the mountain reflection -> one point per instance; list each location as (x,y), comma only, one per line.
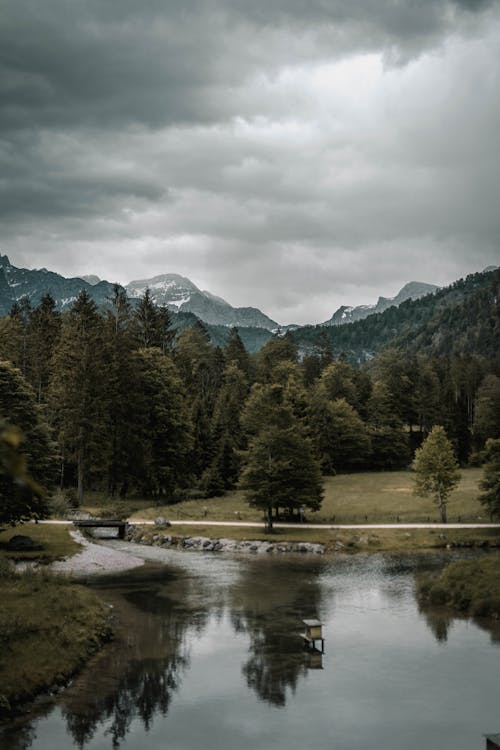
(270,610)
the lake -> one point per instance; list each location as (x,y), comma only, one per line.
(208,656)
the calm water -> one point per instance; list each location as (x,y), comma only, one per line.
(209,657)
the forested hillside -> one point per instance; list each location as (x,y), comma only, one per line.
(458,319)
(119,401)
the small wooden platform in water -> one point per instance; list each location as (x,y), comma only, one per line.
(103,523)
(313,634)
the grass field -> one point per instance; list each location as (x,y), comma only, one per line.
(383,497)
(48,629)
(55,540)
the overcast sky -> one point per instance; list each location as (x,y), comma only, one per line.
(288,154)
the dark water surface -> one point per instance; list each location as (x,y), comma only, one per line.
(208,656)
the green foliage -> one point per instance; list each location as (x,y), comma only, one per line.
(21,498)
(77,388)
(471,587)
(162,431)
(460,319)
(436,469)
(339,435)
(487,410)
(280,471)
(490,483)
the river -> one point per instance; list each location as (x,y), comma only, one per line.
(208,656)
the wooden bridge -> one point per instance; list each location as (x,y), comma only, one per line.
(103,523)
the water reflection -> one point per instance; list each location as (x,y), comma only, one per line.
(438,620)
(269,603)
(137,677)
(210,647)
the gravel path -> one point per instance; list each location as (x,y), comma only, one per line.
(95,559)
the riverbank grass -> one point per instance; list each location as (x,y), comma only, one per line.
(471,587)
(48,630)
(55,541)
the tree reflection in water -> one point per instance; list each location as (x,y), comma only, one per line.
(136,677)
(270,610)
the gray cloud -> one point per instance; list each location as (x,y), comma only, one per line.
(293,156)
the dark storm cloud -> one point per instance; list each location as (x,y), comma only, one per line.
(239,142)
(70,63)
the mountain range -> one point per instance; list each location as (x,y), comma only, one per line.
(412,290)
(176,292)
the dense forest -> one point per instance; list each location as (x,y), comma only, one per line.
(117,400)
(459,319)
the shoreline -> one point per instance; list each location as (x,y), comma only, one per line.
(95,559)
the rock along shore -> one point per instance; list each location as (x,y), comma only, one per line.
(159,538)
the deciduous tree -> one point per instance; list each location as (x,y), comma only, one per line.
(436,469)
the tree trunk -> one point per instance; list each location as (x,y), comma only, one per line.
(79,493)
(442,508)
(269,525)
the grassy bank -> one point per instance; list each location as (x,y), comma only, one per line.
(55,541)
(48,626)
(381,497)
(471,587)
(48,630)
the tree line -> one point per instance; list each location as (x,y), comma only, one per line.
(118,401)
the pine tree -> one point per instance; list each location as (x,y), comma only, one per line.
(163,437)
(339,435)
(436,469)
(490,483)
(77,391)
(226,433)
(389,442)
(120,379)
(280,470)
(487,410)
(44,333)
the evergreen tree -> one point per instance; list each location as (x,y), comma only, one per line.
(12,337)
(397,371)
(487,410)
(21,313)
(152,324)
(436,469)
(389,442)
(120,380)
(227,434)
(77,391)
(338,433)
(44,333)
(18,408)
(277,350)
(280,471)
(163,431)
(200,366)
(234,351)
(280,468)
(490,483)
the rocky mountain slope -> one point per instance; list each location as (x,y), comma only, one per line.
(412,290)
(16,283)
(181,295)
